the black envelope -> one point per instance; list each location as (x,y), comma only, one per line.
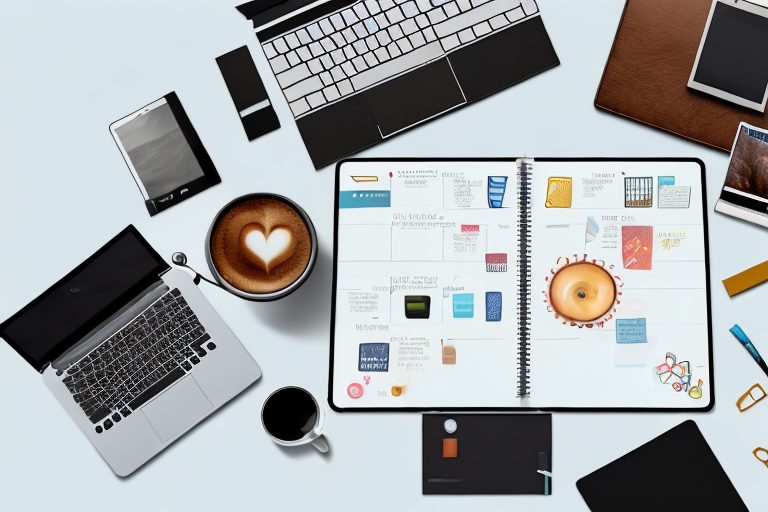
(497,454)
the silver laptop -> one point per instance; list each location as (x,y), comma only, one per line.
(132,350)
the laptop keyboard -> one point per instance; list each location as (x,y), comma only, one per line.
(136,363)
(374,40)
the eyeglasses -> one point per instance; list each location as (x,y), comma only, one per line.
(761,454)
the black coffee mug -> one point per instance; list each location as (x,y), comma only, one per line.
(292,417)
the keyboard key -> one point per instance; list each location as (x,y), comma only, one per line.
(360,30)
(337,56)
(293,58)
(292,41)
(279,64)
(450,42)
(316,49)
(466,36)
(186,364)
(482,28)
(498,22)
(514,15)
(360,47)
(360,10)
(386,4)
(451,9)
(381,54)
(477,3)
(422,20)
(338,22)
(280,45)
(349,35)
(345,87)
(316,99)
(436,16)
(269,50)
(381,20)
(303,36)
(303,88)
(211,346)
(326,78)
(464,5)
(348,68)
(195,360)
(328,44)
(473,17)
(405,45)
(394,66)
(372,42)
(370,59)
(409,27)
(424,5)
(394,50)
(304,53)
(107,424)
(315,66)
(99,429)
(383,37)
(327,61)
(395,15)
(349,52)
(315,32)
(372,6)
(530,7)
(371,26)
(350,18)
(395,32)
(359,64)
(417,39)
(125,412)
(429,34)
(438,3)
(325,26)
(201,352)
(331,93)
(338,39)
(116,418)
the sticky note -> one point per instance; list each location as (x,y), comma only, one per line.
(463,305)
(631,330)
(559,192)
(492,306)
(373,357)
(665,181)
(743,281)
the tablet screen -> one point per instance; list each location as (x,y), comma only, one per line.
(733,58)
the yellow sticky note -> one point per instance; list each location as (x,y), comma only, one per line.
(743,281)
(559,192)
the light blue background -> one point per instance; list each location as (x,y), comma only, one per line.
(71,68)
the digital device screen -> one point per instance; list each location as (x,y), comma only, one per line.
(83,299)
(158,151)
(733,58)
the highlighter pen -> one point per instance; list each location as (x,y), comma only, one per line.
(744,340)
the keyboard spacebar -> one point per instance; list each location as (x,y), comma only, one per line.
(155,389)
(392,67)
(474,16)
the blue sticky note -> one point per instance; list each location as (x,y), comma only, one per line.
(463,305)
(631,330)
(492,306)
(497,185)
(365,199)
(374,357)
(666,180)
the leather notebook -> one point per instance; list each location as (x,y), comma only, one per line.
(647,74)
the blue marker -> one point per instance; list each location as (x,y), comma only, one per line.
(744,340)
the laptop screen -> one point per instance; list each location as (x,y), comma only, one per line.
(83,299)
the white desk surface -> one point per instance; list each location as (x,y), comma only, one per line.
(71,68)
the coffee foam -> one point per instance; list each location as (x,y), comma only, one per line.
(232,260)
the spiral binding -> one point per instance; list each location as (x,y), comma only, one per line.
(524,166)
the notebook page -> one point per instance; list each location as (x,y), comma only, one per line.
(637,227)
(426,285)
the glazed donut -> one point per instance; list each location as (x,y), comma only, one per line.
(582,292)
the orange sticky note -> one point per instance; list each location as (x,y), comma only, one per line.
(743,281)
(450,448)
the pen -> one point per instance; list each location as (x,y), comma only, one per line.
(744,340)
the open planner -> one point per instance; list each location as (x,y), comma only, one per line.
(521,284)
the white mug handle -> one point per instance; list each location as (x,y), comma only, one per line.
(321,444)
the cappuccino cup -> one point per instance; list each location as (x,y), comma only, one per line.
(261,247)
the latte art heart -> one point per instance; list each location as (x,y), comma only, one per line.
(267,251)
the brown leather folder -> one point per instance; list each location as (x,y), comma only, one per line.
(647,73)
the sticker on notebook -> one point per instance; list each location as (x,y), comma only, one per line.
(675,196)
(638,192)
(398,390)
(492,306)
(666,181)
(592,230)
(631,330)
(448,352)
(582,292)
(365,179)
(559,192)
(417,306)
(373,357)
(355,390)
(676,374)
(496,262)
(497,186)
(637,247)
(463,305)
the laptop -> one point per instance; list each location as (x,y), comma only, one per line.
(357,72)
(132,350)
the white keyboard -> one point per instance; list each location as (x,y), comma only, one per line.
(374,40)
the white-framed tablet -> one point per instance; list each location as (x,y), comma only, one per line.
(730,63)
(164,153)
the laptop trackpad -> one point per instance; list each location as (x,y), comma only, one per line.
(177,409)
(415,97)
